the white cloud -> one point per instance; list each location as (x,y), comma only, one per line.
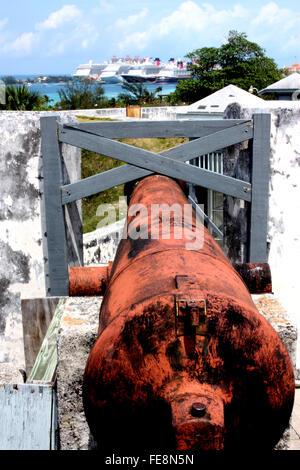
(138,40)
(184,22)
(3,34)
(66,14)
(68,28)
(59,32)
(271,17)
(277,28)
(292,43)
(104,7)
(22,45)
(82,34)
(131,20)
(3,22)
(191,17)
(188,25)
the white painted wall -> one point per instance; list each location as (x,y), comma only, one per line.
(284,203)
(155,113)
(22,267)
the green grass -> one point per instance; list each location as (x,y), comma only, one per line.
(93,163)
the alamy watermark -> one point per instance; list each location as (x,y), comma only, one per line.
(159,221)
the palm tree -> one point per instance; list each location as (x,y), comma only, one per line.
(81,95)
(19,98)
(137,93)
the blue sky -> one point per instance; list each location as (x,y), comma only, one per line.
(54,37)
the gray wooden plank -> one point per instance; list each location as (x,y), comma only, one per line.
(125,130)
(74,234)
(54,215)
(260,174)
(71,170)
(102,181)
(26,417)
(36,318)
(157,163)
(161,163)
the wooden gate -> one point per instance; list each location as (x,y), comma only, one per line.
(134,111)
(205,137)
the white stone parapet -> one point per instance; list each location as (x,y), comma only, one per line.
(284,201)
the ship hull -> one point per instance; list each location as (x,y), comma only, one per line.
(111,79)
(138,79)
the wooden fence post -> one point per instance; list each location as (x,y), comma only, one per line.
(260,171)
(54,214)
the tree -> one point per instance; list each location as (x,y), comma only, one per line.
(238,62)
(81,95)
(20,98)
(137,93)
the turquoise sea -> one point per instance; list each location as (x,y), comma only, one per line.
(111,90)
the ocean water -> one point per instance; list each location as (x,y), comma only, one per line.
(111,90)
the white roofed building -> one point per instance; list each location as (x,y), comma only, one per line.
(286,89)
(214,105)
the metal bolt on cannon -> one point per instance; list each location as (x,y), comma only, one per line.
(183,359)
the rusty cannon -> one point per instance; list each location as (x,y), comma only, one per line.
(183,359)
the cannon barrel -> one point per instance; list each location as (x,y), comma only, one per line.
(183,359)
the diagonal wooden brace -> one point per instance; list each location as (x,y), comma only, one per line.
(143,163)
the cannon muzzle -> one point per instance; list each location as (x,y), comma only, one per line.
(183,359)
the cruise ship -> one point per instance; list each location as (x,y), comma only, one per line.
(173,72)
(147,72)
(89,71)
(112,73)
(159,73)
(107,72)
(137,70)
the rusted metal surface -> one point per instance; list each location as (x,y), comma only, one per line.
(88,280)
(190,311)
(257,277)
(142,379)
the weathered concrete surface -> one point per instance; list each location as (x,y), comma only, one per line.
(76,337)
(23,258)
(9,374)
(270,308)
(284,201)
(99,246)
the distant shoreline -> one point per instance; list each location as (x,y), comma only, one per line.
(24,79)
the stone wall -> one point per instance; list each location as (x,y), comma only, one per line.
(100,246)
(156,113)
(284,201)
(22,268)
